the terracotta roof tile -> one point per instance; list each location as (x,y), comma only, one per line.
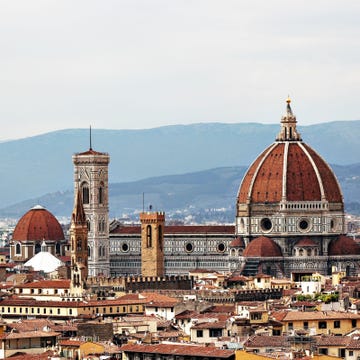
(179,350)
(304,242)
(343,245)
(237,242)
(264,180)
(262,247)
(180,229)
(257,341)
(45,284)
(319,315)
(38,224)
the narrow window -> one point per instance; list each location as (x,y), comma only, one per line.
(148,236)
(101,194)
(18,249)
(85,193)
(160,236)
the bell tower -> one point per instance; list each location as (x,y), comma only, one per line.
(79,248)
(152,243)
(91,179)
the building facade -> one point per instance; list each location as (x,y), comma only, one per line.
(185,248)
(289,222)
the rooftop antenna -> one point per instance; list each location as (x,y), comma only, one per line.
(143,202)
(90,139)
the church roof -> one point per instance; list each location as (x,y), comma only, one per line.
(289,170)
(343,245)
(44,261)
(38,224)
(237,242)
(262,247)
(180,229)
(305,242)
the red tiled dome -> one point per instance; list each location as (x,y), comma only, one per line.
(262,247)
(38,224)
(289,171)
(306,242)
(343,245)
(237,242)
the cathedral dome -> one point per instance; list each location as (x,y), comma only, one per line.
(38,224)
(262,247)
(343,245)
(289,189)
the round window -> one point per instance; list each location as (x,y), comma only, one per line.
(125,247)
(221,247)
(304,224)
(266,224)
(189,247)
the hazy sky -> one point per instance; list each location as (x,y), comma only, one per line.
(146,63)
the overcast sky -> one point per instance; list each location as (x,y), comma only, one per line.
(147,63)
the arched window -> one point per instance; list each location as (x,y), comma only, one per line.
(85,193)
(100,251)
(88,224)
(89,252)
(37,248)
(58,248)
(148,236)
(301,252)
(78,244)
(18,249)
(101,193)
(308,252)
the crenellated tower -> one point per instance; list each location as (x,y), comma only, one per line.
(91,179)
(152,243)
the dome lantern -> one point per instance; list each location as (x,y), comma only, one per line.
(288,131)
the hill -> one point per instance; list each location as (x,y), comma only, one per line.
(200,196)
(42,164)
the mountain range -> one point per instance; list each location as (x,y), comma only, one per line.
(142,159)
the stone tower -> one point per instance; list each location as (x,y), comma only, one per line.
(152,243)
(91,178)
(79,248)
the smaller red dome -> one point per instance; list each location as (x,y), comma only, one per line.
(38,224)
(262,247)
(237,242)
(343,245)
(305,242)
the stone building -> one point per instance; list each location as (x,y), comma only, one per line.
(91,178)
(289,222)
(290,212)
(37,230)
(185,248)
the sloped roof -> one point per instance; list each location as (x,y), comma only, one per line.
(44,261)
